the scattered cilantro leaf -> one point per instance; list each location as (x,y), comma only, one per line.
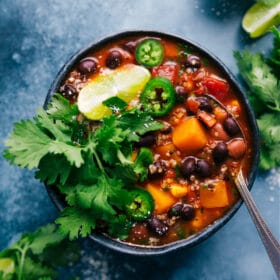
(44,237)
(53,168)
(29,255)
(75,221)
(92,169)
(26,145)
(270,127)
(115,104)
(261,76)
(120,227)
(60,109)
(274,60)
(268,2)
(31,140)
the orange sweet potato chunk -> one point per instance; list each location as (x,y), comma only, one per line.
(178,190)
(216,196)
(163,200)
(189,136)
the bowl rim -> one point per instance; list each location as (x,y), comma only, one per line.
(193,240)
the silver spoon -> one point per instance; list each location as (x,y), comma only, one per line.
(270,243)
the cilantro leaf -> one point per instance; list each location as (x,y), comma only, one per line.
(259,78)
(34,270)
(115,104)
(274,60)
(109,138)
(270,156)
(44,237)
(268,2)
(120,227)
(76,222)
(30,255)
(26,145)
(60,108)
(270,128)
(86,174)
(31,140)
(97,197)
(53,168)
(262,79)
(138,123)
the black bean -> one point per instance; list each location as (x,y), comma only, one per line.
(114,59)
(130,46)
(146,140)
(69,91)
(204,104)
(188,166)
(157,226)
(231,126)
(187,212)
(203,168)
(220,152)
(193,61)
(181,93)
(175,210)
(87,65)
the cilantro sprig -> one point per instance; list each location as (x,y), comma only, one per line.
(37,255)
(262,78)
(92,167)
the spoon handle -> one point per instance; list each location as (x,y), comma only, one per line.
(270,243)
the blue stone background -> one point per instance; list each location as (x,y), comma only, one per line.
(36,38)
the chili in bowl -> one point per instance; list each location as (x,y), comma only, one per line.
(169,151)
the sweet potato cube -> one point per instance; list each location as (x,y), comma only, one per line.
(214,196)
(178,190)
(189,136)
(163,200)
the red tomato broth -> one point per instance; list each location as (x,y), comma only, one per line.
(194,84)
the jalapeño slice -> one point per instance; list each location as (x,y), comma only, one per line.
(149,53)
(141,205)
(158,97)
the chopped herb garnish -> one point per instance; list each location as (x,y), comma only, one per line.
(91,174)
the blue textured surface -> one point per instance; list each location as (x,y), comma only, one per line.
(36,38)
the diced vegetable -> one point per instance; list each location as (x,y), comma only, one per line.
(168,70)
(178,190)
(208,119)
(189,136)
(217,87)
(220,114)
(163,200)
(192,104)
(215,195)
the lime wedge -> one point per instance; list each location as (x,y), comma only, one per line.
(125,82)
(7,265)
(259,18)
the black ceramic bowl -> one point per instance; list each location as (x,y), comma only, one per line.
(209,230)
